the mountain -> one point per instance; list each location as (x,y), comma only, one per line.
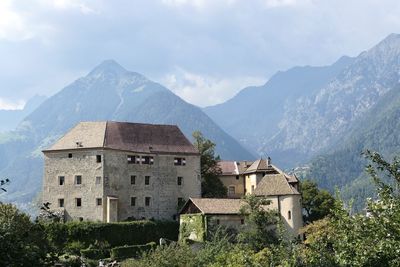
(256,115)
(109,92)
(11,118)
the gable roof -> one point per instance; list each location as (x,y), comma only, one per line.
(274,185)
(215,205)
(135,137)
(233,167)
(261,165)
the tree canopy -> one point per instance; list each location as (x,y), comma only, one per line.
(211,185)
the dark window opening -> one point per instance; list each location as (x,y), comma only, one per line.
(147,160)
(61,180)
(78,202)
(179,161)
(98,158)
(242,221)
(78,179)
(217,221)
(98,179)
(99,201)
(147,180)
(179,181)
(61,203)
(133,179)
(70,155)
(174,217)
(133,201)
(180,200)
(289,215)
(133,159)
(237,177)
(147,201)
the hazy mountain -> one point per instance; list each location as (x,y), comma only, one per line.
(257,115)
(11,118)
(109,92)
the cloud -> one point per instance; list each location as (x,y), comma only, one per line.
(13,26)
(6,104)
(80,5)
(204,90)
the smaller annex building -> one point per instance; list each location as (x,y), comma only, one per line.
(260,178)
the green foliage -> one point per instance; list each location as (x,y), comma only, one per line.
(124,252)
(211,186)
(260,223)
(95,253)
(22,242)
(192,223)
(173,255)
(317,203)
(116,234)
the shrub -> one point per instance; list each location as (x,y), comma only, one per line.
(134,251)
(95,254)
(114,234)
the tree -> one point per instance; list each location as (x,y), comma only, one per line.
(261,223)
(211,185)
(317,203)
(22,242)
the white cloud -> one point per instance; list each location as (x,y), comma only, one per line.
(6,104)
(80,5)
(13,26)
(285,3)
(205,90)
(199,4)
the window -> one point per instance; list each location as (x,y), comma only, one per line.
(133,201)
(147,160)
(179,181)
(78,179)
(237,177)
(70,155)
(180,200)
(61,202)
(252,188)
(133,159)
(289,215)
(98,158)
(218,221)
(61,180)
(231,190)
(179,161)
(242,221)
(147,180)
(147,201)
(133,179)
(78,202)
(98,179)
(99,201)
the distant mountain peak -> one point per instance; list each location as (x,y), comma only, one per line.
(108,66)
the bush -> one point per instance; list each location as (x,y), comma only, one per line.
(95,254)
(115,234)
(134,251)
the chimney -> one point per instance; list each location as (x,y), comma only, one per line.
(269,161)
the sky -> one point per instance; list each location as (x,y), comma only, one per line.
(205,51)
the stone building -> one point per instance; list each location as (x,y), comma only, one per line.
(112,171)
(260,178)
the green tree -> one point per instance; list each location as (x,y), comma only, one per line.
(211,185)
(22,242)
(317,203)
(260,229)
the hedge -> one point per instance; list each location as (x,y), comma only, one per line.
(95,254)
(116,234)
(124,252)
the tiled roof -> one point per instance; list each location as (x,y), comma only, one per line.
(218,205)
(260,165)
(274,185)
(135,137)
(228,167)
